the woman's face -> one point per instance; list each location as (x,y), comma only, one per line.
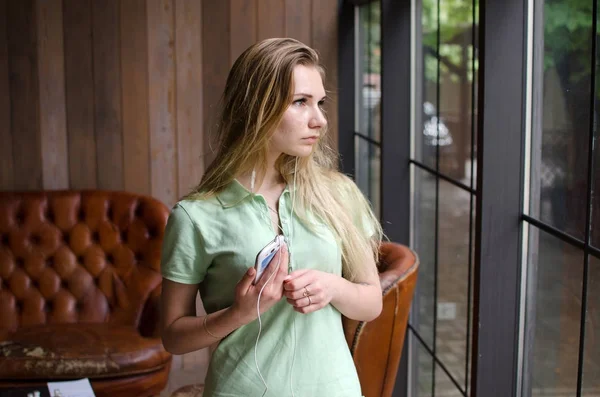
(303,120)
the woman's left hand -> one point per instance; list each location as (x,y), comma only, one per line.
(309,290)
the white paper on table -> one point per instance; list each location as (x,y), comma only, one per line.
(74,388)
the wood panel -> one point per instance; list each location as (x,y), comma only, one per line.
(298,16)
(6,151)
(216,45)
(123,94)
(24,93)
(161,74)
(188,17)
(325,41)
(134,93)
(107,93)
(77,19)
(243,26)
(53,116)
(271,19)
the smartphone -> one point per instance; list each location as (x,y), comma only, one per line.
(266,254)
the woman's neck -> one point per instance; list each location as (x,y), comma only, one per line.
(272,180)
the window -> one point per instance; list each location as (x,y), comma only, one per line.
(368,123)
(504,169)
(444,167)
(562,317)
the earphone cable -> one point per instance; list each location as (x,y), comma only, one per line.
(260,325)
(294,313)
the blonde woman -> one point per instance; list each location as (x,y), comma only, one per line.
(273,174)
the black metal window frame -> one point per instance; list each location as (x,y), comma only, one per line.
(536,225)
(502,118)
(500,157)
(395,125)
(396,187)
(440,175)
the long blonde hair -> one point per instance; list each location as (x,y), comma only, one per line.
(258,91)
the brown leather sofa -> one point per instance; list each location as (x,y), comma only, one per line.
(377,345)
(80,287)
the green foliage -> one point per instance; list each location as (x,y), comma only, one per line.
(454,29)
(370,16)
(455,16)
(568,34)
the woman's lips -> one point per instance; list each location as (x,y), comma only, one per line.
(311,139)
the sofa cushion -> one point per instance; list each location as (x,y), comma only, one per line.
(66,351)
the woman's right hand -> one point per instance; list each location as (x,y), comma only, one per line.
(246,293)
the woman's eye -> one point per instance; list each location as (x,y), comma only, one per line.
(321,103)
(300,101)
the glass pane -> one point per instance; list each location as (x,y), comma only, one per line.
(424,244)
(422,369)
(368,172)
(425,141)
(555,282)
(453,278)
(560,144)
(456,89)
(591,363)
(444,387)
(370,66)
(595,235)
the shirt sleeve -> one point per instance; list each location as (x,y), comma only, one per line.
(183,257)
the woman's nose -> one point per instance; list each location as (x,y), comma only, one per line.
(318,119)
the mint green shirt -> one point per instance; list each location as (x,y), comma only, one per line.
(212,243)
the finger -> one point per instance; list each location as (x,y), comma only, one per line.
(297,294)
(302,302)
(308,309)
(300,282)
(246,281)
(283,266)
(298,273)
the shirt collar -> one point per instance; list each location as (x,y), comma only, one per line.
(234,193)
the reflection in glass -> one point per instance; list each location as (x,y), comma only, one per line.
(555,282)
(422,372)
(453,278)
(591,358)
(368,172)
(595,231)
(444,387)
(368,163)
(425,142)
(560,146)
(447,88)
(424,244)
(370,71)
(595,234)
(455,85)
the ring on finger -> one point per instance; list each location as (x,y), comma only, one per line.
(306,293)
(309,300)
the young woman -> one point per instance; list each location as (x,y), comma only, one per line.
(273,174)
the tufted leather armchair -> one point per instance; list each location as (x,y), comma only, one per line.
(376,346)
(79,290)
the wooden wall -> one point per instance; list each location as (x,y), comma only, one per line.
(120,95)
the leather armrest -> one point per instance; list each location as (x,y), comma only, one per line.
(377,345)
(149,325)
